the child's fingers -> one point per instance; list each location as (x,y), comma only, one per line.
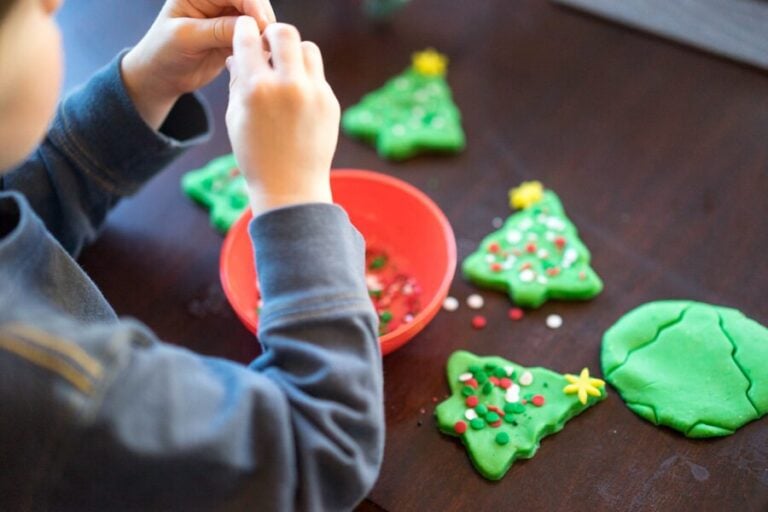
(260,10)
(247,49)
(313,60)
(210,33)
(285,45)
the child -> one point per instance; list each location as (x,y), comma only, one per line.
(95,412)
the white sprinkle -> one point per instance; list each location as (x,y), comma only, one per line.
(527,275)
(542,253)
(550,236)
(464,377)
(497,222)
(526,379)
(451,303)
(542,218)
(490,258)
(512,394)
(373,283)
(514,236)
(542,280)
(533,236)
(438,123)
(470,414)
(475,301)
(402,84)
(408,318)
(510,370)
(554,321)
(526,223)
(555,223)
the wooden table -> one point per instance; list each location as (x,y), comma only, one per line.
(660,155)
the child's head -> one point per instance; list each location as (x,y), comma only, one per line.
(30,75)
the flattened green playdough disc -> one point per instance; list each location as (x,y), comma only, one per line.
(698,368)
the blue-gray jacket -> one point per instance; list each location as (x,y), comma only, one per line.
(97,414)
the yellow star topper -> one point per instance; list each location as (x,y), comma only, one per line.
(528,193)
(583,385)
(430,63)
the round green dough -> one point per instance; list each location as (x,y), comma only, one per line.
(694,367)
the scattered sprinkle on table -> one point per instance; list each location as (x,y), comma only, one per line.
(475,301)
(497,222)
(554,321)
(479,321)
(450,303)
(515,314)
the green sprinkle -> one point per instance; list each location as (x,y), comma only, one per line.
(467,391)
(386,316)
(378,262)
(499,372)
(514,407)
(487,387)
(477,424)
(492,417)
(376,294)
(502,438)
(546,385)
(481,409)
(475,368)
(481,377)
(510,418)
(490,367)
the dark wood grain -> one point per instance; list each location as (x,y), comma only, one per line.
(659,154)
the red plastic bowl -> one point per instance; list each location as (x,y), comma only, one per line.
(389,213)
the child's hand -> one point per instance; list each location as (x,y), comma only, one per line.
(185,49)
(283,117)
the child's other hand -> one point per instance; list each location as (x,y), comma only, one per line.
(185,49)
(283,117)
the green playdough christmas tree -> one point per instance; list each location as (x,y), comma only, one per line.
(221,188)
(412,113)
(502,410)
(536,255)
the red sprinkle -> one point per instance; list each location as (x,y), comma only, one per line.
(496,267)
(531,247)
(525,265)
(537,400)
(523,401)
(496,409)
(494,380)
(493,247)
(479,321)
(515,313)
(553,271)
(471,383)
(496,424)
(505,383)
(460,427)
(582,276)
(560,242)
(471,401)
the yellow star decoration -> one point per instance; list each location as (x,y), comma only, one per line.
(528,193)
(430,63)
(583,385)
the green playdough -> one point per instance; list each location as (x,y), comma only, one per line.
(698,368)
(502,410)
(411,113)
(535,256)
(221,188)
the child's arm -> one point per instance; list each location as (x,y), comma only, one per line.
(131,120)
(140,425)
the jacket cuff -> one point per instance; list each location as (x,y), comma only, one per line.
(98,127)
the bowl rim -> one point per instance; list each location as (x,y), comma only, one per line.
(396,338)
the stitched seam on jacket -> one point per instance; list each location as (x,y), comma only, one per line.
(50,361)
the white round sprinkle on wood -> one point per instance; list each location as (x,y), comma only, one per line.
(451,303)
(475,301)
(554,321)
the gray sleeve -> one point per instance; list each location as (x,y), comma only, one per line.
(97,150)
(301,428)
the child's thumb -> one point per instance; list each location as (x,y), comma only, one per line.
(211,33)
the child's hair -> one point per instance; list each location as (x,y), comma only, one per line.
(5,6)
